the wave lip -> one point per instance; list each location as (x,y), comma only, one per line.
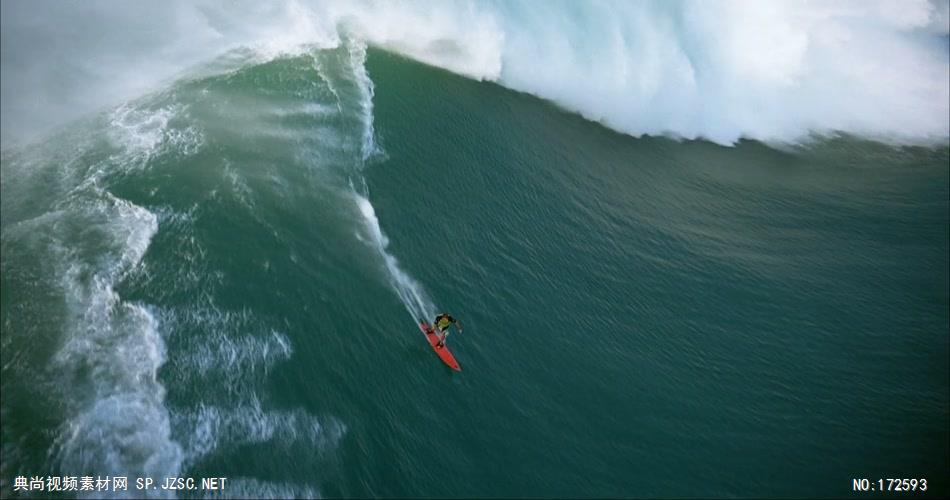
(722,71)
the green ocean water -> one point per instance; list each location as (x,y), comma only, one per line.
(223,278)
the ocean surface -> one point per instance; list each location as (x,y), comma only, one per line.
(223,277)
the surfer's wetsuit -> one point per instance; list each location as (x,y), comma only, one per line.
(443,321)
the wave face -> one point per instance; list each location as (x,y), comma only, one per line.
(217,277)
(775,71)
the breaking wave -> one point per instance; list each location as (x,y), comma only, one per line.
(774,71)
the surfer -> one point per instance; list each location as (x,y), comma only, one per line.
(442,322)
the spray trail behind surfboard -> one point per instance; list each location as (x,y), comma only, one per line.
(410,292)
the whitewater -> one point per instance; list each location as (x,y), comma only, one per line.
(774,71)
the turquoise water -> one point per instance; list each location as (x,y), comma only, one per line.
(222,278)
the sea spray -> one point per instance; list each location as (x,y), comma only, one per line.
(411,293)
(774,71)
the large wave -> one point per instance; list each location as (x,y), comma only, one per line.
(776,71)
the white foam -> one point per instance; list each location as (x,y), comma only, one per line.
(117,422)
(765,70)
(322,73)
(465,38)
(774,70)
(233,360)
(213,428)
(241,355)
(142,133)
(186,141)
(120,434)
(298,30)
(231,352)
(357,52)
(139,131)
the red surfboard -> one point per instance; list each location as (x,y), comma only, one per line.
(444,354)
